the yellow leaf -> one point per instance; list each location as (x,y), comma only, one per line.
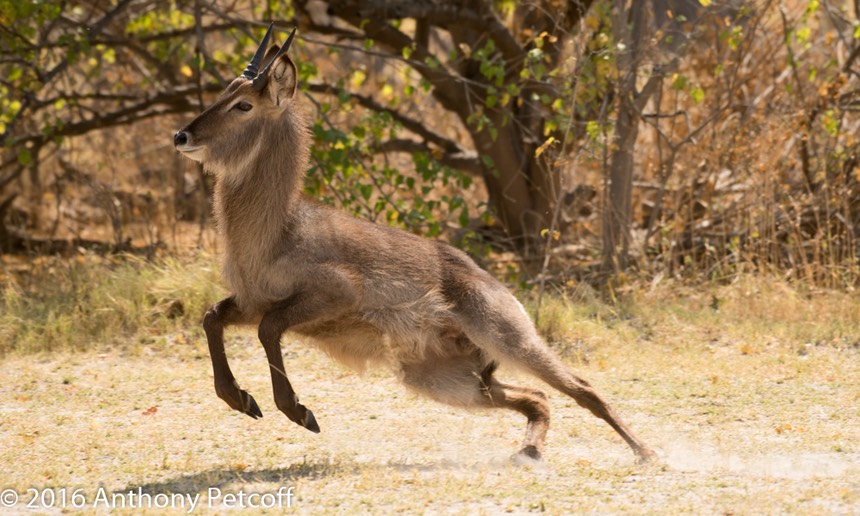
(186,70)
(544,146)
(555,234)
(358,78)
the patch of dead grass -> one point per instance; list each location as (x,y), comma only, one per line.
(774,430)
(751,402)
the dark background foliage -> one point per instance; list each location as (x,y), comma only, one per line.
(553,140)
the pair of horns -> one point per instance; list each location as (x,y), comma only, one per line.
(259,79)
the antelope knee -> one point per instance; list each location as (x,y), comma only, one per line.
(210,319)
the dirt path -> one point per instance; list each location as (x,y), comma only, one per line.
(770,431)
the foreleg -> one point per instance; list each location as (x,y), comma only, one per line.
(224,313)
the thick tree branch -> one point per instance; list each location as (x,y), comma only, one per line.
(447,88)
(445,15)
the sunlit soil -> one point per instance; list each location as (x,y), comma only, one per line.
(772,430)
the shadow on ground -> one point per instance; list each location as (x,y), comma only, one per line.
(224,478)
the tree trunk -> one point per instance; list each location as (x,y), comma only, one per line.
(629,28)
(522,189)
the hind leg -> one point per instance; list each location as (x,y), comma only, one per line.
(531,403)
(467,382)
(585,396)
(498,324)
(541,362)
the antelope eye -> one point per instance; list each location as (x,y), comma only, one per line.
(243,106)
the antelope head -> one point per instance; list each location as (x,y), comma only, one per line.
(232,132)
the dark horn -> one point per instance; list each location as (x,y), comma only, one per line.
(257,60)
(262,78)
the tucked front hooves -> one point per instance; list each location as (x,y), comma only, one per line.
(239,399)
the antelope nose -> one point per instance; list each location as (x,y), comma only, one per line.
(180,138)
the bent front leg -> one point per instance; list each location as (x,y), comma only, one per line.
(297,309)
(276,321)
(224,313)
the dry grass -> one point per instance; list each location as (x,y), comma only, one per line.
(56,304)
(752,406)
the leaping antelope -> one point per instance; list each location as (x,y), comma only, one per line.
(362,292)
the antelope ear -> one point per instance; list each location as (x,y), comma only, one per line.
(283,79)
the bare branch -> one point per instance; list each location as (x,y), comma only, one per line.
(413,125)
(164,103)
(465,161)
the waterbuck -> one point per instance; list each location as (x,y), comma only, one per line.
(362,292)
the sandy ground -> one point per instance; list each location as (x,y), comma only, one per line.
(772,431)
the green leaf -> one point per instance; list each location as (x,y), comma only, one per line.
(592,128)
(830,123)
(464,216)
(366,191)
(24,157)
(680,81)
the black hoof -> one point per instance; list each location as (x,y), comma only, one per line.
(310,422)
(529,456)
(530,451)
(252,409)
